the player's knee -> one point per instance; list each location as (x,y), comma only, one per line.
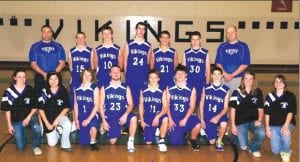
(148,143)
(165,120)
(223,124)
(133,120)
(112,141)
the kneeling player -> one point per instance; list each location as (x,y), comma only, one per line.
(152,112)
(181,99)
(214,107)
(116,99)
(86,114)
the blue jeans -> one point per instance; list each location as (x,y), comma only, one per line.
(243,138)
(280,142)
(19,133)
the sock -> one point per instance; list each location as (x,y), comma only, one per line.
(93,141)
(131,139)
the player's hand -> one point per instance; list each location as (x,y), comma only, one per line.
(182,122)
(55,123)
(85,122)
(203,125)
(285,130)
(77,124)
(215,120)
(143,124)
(257,123)
(106,126)
(234,130)
(26,121)
(155,121)
(268,133)
(49,126)
(171,125)
(10,129)
(123,119)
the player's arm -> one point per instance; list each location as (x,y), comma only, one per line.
(125,52)
(121,60)
(75,112)
(183,60)
(96,106)
(166,103)
(10,128)
(149,56)
(176,61)
(129,101)
(45,119)
(225,107)
(267,123)
(191,106)
(232,120)
(152,60)
(101,108)
(201,109)
(70,61)
(141,109)
(165,108)
(207,68)
(93,60)
(29,116)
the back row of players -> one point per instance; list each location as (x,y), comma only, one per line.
(135,58)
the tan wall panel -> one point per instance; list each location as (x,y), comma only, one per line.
(267,46)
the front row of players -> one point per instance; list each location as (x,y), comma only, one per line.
(170,108)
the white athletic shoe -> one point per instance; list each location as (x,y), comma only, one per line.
(256,153)
(130,146)
(37,151)
(285,156)
(162,147)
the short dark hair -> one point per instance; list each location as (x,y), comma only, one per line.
(180,67)
(153,71)
(195,33)
(216,69)
(80,32)
(140,23)
(47,26)
(164,32)
(58,76)
(106,27)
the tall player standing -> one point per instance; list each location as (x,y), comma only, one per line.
(164,59)
(108,54)
(196,60)
(80,57)
(136,60)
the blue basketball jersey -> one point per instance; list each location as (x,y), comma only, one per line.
(115,103)
(107,56)
(164,63)
(214,100)
(81,59)
(152,102)
(195,64)
(179,101)
(137,67)
(85,101)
